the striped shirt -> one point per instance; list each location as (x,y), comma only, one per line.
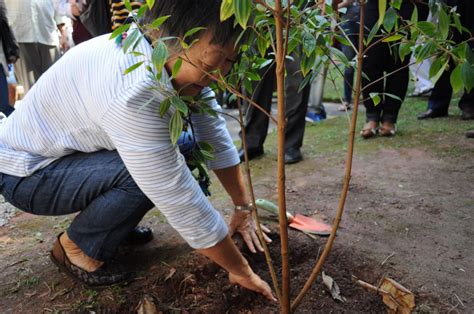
(85,103)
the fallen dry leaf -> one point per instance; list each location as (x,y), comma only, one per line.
(146,306)
(333,287)
(398,298)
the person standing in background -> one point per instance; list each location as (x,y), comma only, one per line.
(9,53)
(440,98)
(72,9)
(350,25)
(34,25)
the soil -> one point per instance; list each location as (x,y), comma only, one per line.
(408,216)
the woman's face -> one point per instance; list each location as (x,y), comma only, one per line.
(200,58)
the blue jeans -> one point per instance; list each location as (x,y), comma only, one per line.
(4,101)
(352,30)
(96,185)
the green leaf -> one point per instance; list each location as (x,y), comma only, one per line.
(390,19)
(307,63)
(242,10)
(159,21)
(467,74)
(457,22)
(179,104)
(469,54)
(339,55)
(119,30)
(128,5)
(164,106)
(262,45)
(382,10)
(372,33)
(443,24)
(456,79)
(309,43)
(404,50)
(436,76)
(176,67)
(392,38)
(159,55)
(414,16)
(427,28)
(207,155)
(175,127)
(206,147)
(142,10)
(426,51)
(133,67)
(130,40)
(436,65)
(227,9)
(150,3)
(397,4)
(192,31)
(393,96)
(375,98)
(343,40)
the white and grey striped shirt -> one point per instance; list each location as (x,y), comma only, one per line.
(85,103)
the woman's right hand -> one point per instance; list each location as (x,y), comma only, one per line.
(253,282)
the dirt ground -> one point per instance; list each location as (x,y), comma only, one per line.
(409,216)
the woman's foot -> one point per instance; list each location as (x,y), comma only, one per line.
(387,129)
(370,129)
(84,269)
(76,256)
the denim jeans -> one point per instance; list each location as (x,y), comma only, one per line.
(351,28)
(96,185)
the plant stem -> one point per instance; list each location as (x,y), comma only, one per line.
(347,177)
(252,196)
(280,78)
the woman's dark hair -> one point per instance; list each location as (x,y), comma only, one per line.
(188,14)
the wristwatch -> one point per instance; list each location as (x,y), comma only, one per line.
(248,207)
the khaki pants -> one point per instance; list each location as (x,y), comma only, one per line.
(35,59)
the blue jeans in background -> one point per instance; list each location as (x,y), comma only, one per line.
(4,101)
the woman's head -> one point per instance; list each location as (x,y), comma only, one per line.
(214,51)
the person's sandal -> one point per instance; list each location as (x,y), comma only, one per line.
(387,130)
(104,276)
(368,131)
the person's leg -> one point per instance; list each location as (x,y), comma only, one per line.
(374,70)
(296,107)
(48,56)
(256,122)
(4,99)
(25,66)
(351,29)
(97,185)
(466,104)
(395,84)
(441,95)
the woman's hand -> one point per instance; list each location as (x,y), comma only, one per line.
(253,282)
(243,222)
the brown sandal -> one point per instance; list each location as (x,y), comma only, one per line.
(387,129)
(369,130)
(104,276)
